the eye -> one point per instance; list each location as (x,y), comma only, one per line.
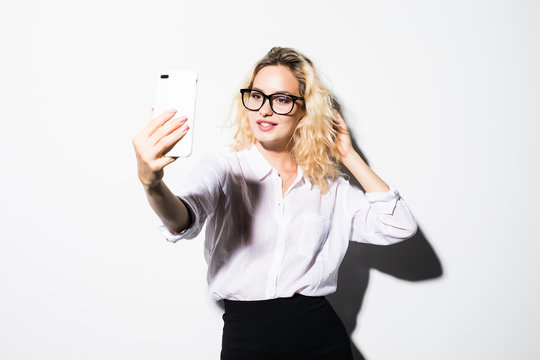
(256,95)
(283,99)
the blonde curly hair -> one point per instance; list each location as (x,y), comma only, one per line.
(314,141)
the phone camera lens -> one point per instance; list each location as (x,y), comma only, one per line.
(164,76)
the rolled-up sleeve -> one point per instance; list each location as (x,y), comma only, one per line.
(191,232)
(379,218)
(200,192)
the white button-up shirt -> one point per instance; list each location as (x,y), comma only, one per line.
(261,245)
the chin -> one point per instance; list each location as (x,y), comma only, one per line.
(272,142)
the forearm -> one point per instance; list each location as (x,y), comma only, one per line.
(370,181)
(170,209)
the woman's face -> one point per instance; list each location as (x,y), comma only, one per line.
(270,129)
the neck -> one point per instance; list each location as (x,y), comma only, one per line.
(281,159)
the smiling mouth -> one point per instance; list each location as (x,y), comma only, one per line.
(266,123)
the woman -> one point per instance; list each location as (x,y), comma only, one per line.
(278,214)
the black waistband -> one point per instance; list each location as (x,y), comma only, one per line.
(283,303)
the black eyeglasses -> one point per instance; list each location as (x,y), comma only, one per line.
(280,103)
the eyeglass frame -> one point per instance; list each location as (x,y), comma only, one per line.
(294,97)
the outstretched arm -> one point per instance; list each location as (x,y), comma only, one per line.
(170,209)
(150,144)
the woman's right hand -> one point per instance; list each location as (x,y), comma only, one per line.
(155,140)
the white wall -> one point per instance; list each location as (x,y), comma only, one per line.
(442,97)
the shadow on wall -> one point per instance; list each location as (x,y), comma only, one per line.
(413,259)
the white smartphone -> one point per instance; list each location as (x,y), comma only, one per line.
(178,89)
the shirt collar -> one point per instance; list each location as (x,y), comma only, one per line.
(262,167)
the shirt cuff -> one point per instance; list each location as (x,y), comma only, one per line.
(384,202)
(188,233)
(169,235)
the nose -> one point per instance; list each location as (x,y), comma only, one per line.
(266,110)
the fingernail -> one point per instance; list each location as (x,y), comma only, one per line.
(171,111)
(185,127)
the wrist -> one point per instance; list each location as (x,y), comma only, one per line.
(152,187)
(350,158)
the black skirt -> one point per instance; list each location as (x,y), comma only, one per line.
(299,327)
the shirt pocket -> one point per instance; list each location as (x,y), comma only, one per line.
(314,231)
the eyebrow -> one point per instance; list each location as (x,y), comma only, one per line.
(277,92)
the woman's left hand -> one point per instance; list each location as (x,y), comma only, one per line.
(344,138)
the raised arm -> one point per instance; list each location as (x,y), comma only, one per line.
(155,140)
(170,209)
(380,216)
(370,181)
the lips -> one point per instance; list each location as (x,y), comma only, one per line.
(266,123)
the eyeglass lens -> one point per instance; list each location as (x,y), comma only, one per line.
(280,103)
